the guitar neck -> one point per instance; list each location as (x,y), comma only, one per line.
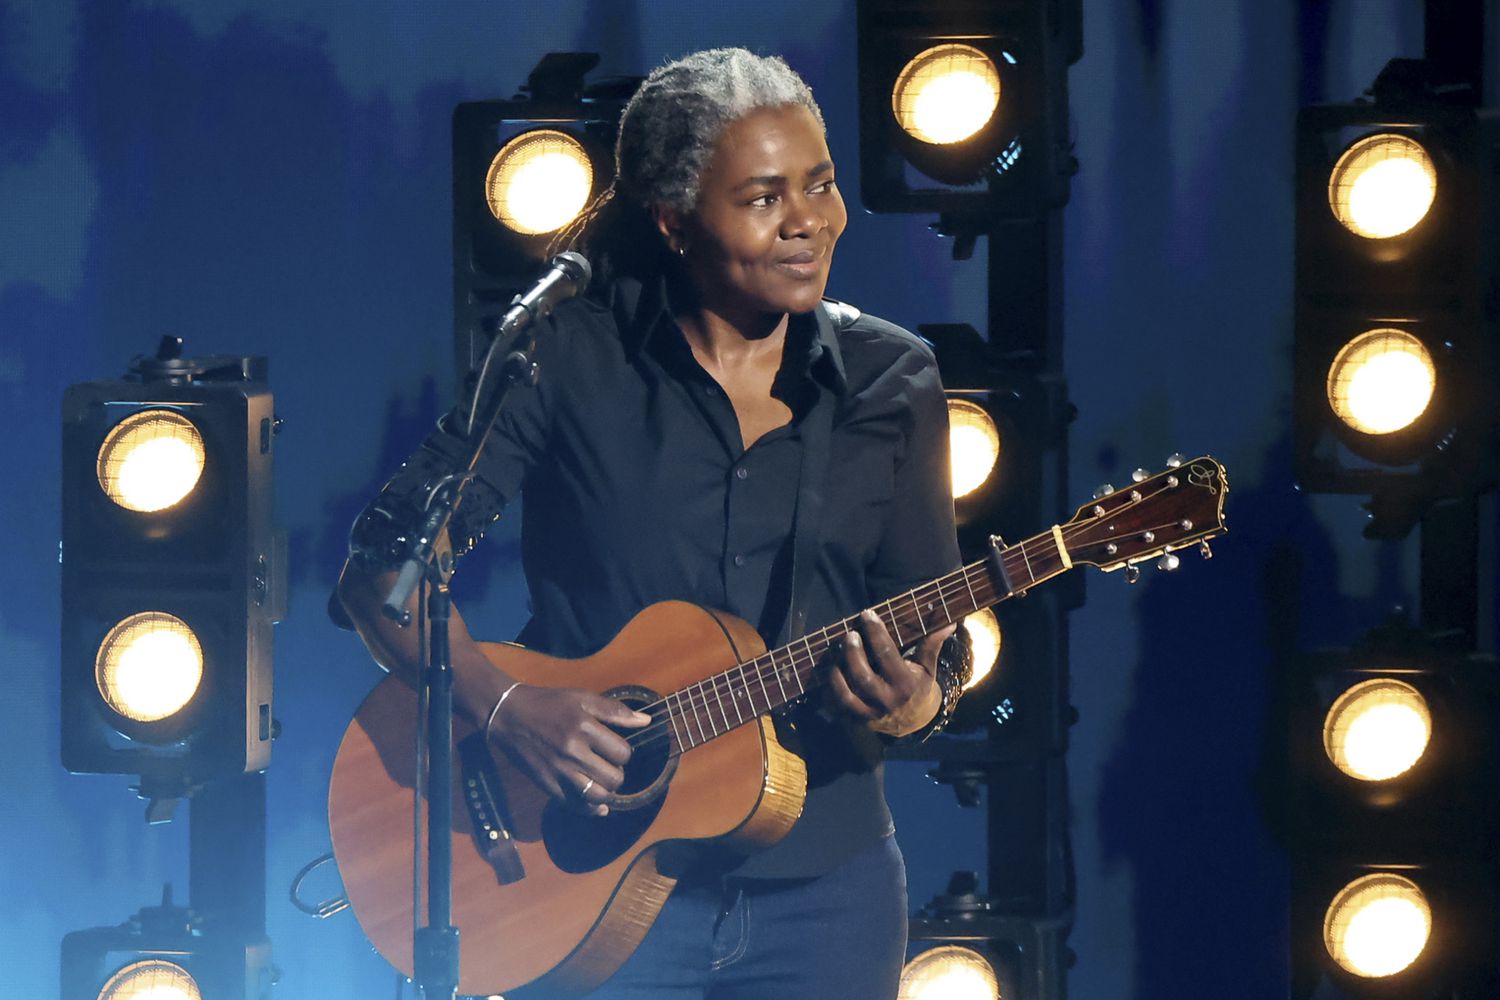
(776,678)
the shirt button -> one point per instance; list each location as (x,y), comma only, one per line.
(741,472)
(739,560)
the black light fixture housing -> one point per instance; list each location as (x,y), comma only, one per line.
(1027,955)
(1459,694)
(491,261)
(1030,409)
(211,562)
(1432,824)
(1457,960)
(1018,163)
(1429,285)
(164,951)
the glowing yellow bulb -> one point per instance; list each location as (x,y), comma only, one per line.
(153,979)
(974,443)
(1381,381)
(984,640)
(150,460)
(946,94)
(149,666)
(1377,729)
(949,972)
(1377,925)
(1382,186)
(539,181)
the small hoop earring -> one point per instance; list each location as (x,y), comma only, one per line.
(682,251)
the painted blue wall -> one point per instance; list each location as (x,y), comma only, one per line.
(273,178)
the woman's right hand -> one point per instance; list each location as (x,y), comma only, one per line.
(561,737)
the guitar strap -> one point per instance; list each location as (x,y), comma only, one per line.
(817,429)
(817,433)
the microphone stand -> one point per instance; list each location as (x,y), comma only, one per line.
(435,947)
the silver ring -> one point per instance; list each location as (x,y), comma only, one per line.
(584,791)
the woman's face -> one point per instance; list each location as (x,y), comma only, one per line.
(761,238)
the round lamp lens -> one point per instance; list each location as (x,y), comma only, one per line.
(1377,729)
(1377,925)
(153,979)
(150,460)
(946,94)
(1381,381)
(983,629)
(949,972)
(149,666)
(539,181)
(1382,186)
(974,441)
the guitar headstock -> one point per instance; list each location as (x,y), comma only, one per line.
(1154,516)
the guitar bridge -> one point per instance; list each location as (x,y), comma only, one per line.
(489,818)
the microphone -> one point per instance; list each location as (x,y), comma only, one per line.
(567,276)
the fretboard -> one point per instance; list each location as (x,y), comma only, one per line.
(712,707)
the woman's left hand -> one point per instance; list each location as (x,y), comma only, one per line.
(874,683)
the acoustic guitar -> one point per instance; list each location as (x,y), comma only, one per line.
(550,899)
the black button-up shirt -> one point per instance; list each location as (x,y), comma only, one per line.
(637,489)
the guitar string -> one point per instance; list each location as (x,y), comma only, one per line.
(698,695)
(765,668)
(702,695)
(702,698)
(752,673)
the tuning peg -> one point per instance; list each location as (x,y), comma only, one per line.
(1103,491)
(1139,476)
(1168,562)
(1204,550)
(1132,574)
(1175,460)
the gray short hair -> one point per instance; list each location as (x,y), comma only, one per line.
(669,128)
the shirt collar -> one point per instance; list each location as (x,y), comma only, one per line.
(642,311)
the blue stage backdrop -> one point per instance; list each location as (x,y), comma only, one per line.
(273,178)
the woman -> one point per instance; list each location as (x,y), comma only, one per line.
(708,429)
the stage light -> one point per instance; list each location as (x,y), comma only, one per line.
(949,972)
(1389,820)
(1382,186)
(1377,925)
(539,181)
(1377,729)
(985,642)
(165,952)
(171,572)
(523,170)
(1381,381)
(1385,733)
(149,666)
(946,94)
(151,460)
(962,946)
(1395,391)
(153,979)
(963,108)
(974,442)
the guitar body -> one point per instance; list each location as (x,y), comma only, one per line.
(587,888)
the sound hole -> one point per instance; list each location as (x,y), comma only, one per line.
(578,842)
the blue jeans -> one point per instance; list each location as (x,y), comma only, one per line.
(842,934)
